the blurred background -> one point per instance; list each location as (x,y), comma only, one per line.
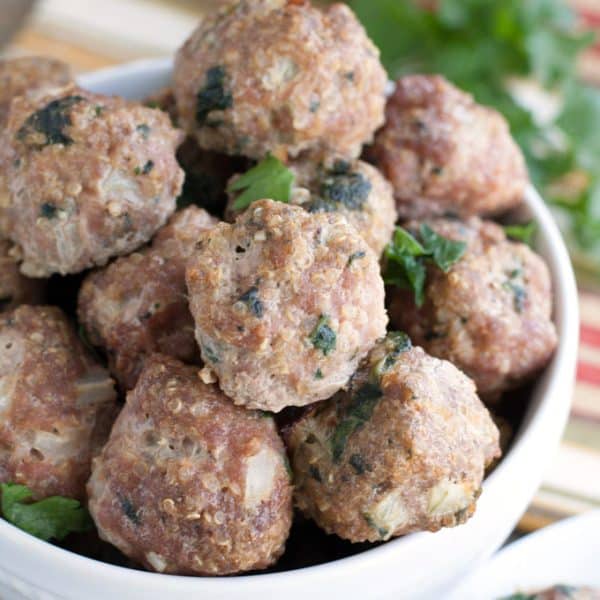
(537,61)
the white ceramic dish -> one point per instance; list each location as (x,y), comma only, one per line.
(564,553)
(422,565)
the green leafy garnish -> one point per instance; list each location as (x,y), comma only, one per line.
(396,342)
(407,258)
(521,233)
(322,336)
(356,413)
(537,40)
(50,122)
(51,518)
(212,95)
(270,179)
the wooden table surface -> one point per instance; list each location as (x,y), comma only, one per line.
(99,33)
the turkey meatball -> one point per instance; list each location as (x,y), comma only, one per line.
(490,314)
(444,153)
(138,304)
(90,177)
(403,449)
(57,403)
(16,289)
(20,77)
(286,303)
(353,189)
(280,76)
(189,483)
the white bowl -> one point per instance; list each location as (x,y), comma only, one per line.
(422,565)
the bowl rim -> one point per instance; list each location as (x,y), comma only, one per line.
(550,405)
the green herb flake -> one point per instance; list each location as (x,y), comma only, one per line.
(145,169)
(340,186)
(407,258)
(51,518)
(521,233)
(318,374)
(144,130)
(396,343)
(98,109)
(129,510)
(381,531)
(213,95)
(356,413)
(519,295)
(210,354)
(356,256)
(358,463)
(323,337)
(269,179)
(253,302)
(50,121)
(48,210)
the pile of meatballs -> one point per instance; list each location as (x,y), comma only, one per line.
(224,366)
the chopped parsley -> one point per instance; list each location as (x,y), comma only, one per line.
(270,179)
(129,510)
(519,295)
(48,210)
(318,374)
(355,256)
(144,130)
(50,518)
(521,233)
(408,258)
(355,414)
(342,186)
(212,95)
(253,302)
(50,121)
(210,354)
(323,337)
(396,343)
(145,169)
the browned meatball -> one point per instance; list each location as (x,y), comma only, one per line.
(90,177)
(490,314)
(16,289)
(189,483)
(57,403)
(280,76)
(560,592)
(19,77)
(444,153)
(353,189)
(404,449)
(138,304)
(286,303)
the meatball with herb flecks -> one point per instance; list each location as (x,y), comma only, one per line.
(490,314)
(444,153)
(90,177)
(15,288)
(353,189)
(286,303)
(403,449)
(280,76)
(57,403)
(138,304)
(24,76)
(189,483)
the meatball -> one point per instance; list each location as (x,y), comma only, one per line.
(189,483)
(138,305)
(353,189)
(490,314)
(280,76)
(286,303)
(560,592)
(444,153)
(16,289)
(403,449)
(91,177)
(57,403)
(18,77)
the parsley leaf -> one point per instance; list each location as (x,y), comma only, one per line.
(407,267)
(51,518)
(323,337)
(521,233)
(270,178)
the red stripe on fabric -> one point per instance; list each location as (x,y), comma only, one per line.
(590,335)
(588,373)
